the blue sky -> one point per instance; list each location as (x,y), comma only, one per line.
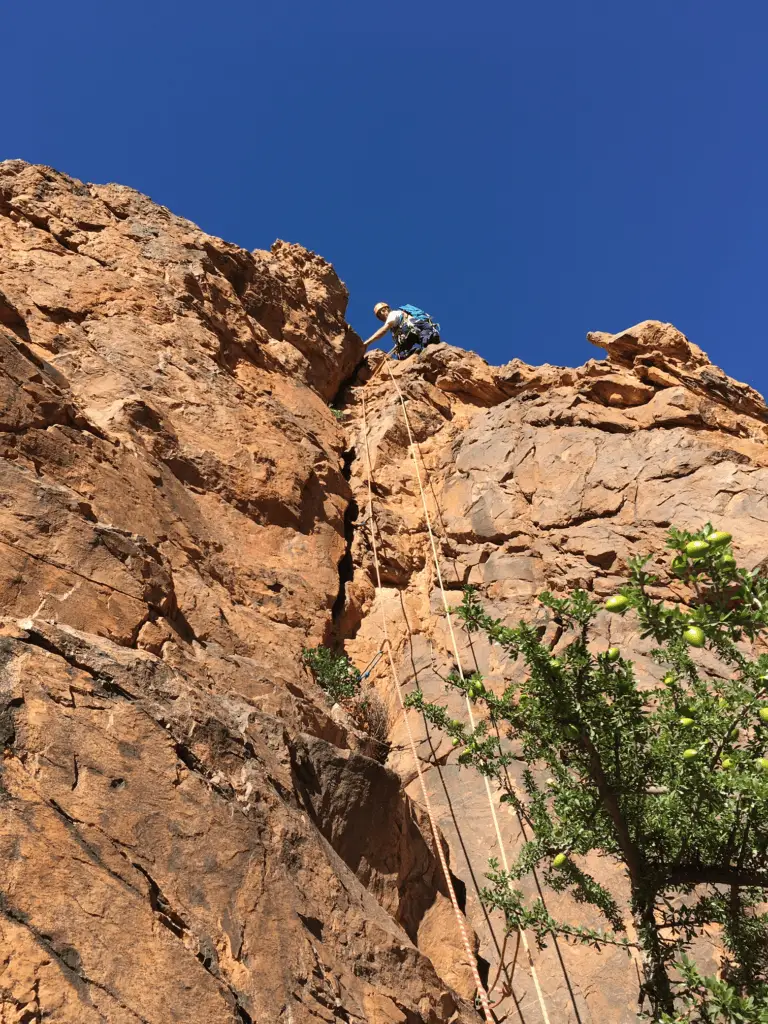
(526,173)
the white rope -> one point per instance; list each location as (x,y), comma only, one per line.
(460,920)
(447,611)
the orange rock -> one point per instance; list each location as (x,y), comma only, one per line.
(190,831)
(540,478)
(171,528)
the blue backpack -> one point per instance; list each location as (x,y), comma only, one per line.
(418,314)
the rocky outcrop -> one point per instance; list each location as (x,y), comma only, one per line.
(538,478)
(182,816)
(189,831)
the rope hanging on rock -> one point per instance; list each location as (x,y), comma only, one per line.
(446,608)
(387,645)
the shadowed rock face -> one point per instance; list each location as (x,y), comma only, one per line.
(188,832)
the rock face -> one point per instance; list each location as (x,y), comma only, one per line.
(537,478)
(188,831)
(183,823)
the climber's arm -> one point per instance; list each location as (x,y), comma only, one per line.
(378,334)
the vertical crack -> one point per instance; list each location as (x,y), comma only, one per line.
(346,566)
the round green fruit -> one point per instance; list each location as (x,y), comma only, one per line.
(555,663)
(455,741)
(689,754)
(686,722)
(617,603)
(694,636)
(728,561)
(612,654)
(718,538)
(734,734)
(697,548)
(727,762)
(669,679)
(559,860)
(763,712)
(762,763)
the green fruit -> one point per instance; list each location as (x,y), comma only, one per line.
(612,654)
(689,754)
(763,714)
(465,757)
(718,538)
(555,663)
(669,679)
(559,860)
(727,762)
(455,723)
(694,636)
(734,734)
(762,763)
(617,603)
(697,548)
(572,732)
(728,561)
(686,722)
(455,741)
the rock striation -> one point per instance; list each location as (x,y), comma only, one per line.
(188,831)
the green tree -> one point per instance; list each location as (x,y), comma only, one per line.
(670,780)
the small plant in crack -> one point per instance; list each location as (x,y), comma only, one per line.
(334,673)
(341,682)
(338,413)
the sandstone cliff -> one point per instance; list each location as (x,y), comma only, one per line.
(188,831)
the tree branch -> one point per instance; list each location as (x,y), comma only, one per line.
(715,874)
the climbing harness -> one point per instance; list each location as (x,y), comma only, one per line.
(414,332)
(460,922)
(449,623)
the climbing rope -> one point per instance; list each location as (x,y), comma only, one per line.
(384,362)
(460,921)
(449,622)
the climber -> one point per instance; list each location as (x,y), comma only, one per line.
(411,327)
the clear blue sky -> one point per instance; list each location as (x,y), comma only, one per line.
(525,172)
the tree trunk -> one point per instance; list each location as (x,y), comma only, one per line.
(656,986)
